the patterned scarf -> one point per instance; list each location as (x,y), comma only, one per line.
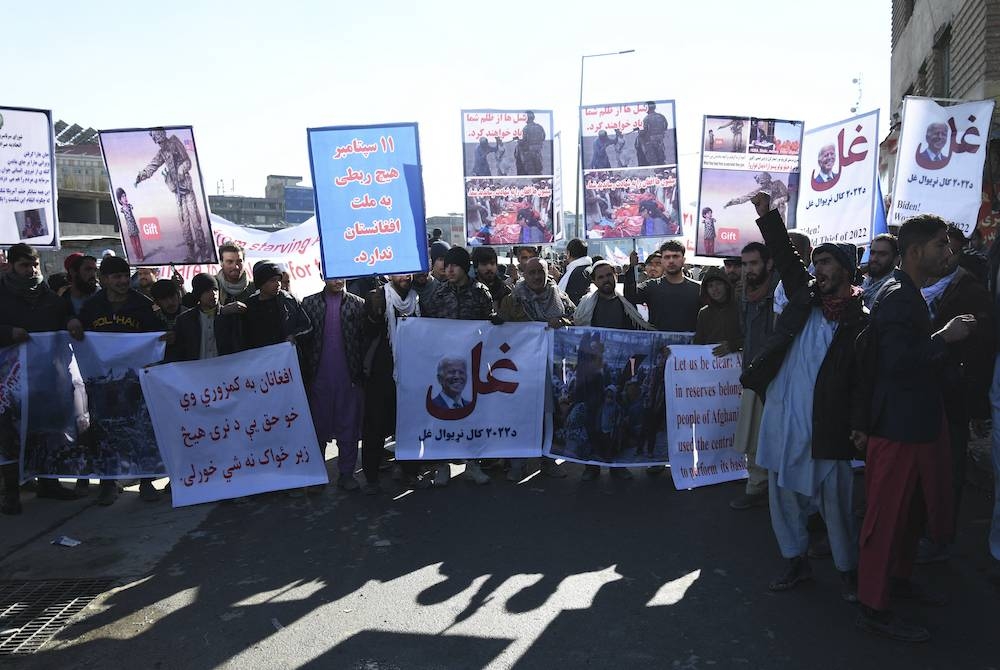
(539,306)
(397,307)
(833,306)
(231,288)
(759,293)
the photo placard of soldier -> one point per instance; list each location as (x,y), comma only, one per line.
(158,194)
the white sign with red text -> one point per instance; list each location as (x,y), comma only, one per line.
(939,166)
(234,426)
(469,389)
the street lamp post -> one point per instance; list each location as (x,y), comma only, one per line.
(579,135)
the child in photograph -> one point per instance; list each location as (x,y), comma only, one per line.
(708,230)
(130,223)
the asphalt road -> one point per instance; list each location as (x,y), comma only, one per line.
(543,574)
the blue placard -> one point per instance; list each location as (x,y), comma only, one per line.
(369,199)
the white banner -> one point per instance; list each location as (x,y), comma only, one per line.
(13,401)
(838,194)
(234,425)
(703,406)
(27,178)
(86,413)
(295,248)
(469,389)
(939,168)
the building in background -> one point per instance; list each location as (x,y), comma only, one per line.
(298,201)
(947,49)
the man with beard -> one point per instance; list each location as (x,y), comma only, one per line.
(484,262)
(733,265)
(908,465)
(118,308)
(27,305)
(333,373)
(815,402)
(384,308)
(883,255)
(536,298)
(757,324)
(424,284)
(82,271)
(575,282)
(673,299)
(604,308)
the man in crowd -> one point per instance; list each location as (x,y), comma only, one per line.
(203,332)
(385,308)
(653,267)
(815,402)
(967,368)
(908,465)
(484,262)
(27,305)
(118,308)
(234,281)
(605,308)
(144,280)
(757,324)
(673,299)
(270,315)
(459,298)
(424,284)
(82,272)
(733,265)
(575,282)
(334,375)
(166,295)
(536,298)
(883,256)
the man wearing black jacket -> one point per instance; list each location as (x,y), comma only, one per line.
(203,332)
(815,404)
(908,469)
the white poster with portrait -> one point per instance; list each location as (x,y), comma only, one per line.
(469,389)
(939,167)
(838,194)
(27,178)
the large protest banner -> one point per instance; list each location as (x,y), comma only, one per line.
(234,425)
(703,406)
(469,389)
(743,156)
(607,396)
(86,412)
(27,178)
(13,387)
(939,168)
(839,196)
(163,217)
(369,199)
(509,169)
(630,170)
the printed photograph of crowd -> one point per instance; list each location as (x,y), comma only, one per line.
(509,211)
(633,203)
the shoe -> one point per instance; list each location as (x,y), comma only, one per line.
(849,582)
(797,571)
(473,471)
(931,552)
(621,473)
(442,475)
(551,469)
(371,489)
(820,547)
(347,482)
(148,492)
(82,488)
(108,493)
(590,473)
(888,625)
(655,470)
(907,589)
(53,490)
(11,504)
(518,471)
(749,501)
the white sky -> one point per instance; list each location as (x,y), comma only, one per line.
(252,76)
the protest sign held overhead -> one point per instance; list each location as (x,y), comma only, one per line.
(743,156)
(469,389)
(158,195)
(703,406)
(607,395)
(839,195)
(27,178)
(369,199)
(939,166)
(509,169)
(234,426)
(86,413)
(630,170)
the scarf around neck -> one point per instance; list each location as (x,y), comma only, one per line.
(833,306)
(540,306)
(236,288)
(397,307)
(30,289)
(759,293)
(932,294)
